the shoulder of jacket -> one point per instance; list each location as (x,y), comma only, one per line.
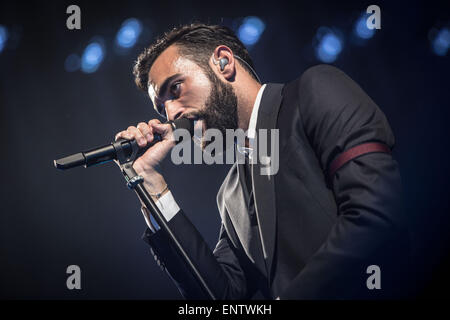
(314,74)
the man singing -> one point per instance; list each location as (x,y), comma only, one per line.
(328,225)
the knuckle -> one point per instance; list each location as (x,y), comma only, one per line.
(135,132)
(154,121)
(142,126)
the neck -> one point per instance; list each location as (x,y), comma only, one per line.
(246,95)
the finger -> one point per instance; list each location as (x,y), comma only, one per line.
(146,131)
(153,121)
(123,134)
(161,128)
(137,135)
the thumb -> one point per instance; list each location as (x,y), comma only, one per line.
(164,129)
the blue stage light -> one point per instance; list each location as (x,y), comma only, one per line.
(92,57)
(3,37)
(361,29)
(329,46)
(250,30)
(72,63)
(441,43)
(129,33)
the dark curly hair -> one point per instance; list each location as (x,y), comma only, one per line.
(195,41)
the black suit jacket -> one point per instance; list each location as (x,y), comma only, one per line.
(318,235)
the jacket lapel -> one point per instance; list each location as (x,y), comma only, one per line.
(233,199)
(263,184)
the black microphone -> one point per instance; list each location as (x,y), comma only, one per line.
(109,152)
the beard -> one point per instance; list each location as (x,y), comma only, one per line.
(220,111)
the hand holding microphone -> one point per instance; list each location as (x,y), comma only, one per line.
(154,140)
(147,165)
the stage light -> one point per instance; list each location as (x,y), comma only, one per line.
(92,57)
(3,37)
(329,45)
(128,33)
(361,30)
(441,42)
(72,63)
(250,30)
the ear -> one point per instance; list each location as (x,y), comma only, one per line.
(229,69)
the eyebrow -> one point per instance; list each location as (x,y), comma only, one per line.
(165,84)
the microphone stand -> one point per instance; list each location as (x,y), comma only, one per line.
(136,183)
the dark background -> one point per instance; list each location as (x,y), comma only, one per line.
(51,219)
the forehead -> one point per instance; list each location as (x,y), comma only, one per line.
(168,63)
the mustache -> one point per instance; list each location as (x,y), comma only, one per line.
(195,115)
(207,115)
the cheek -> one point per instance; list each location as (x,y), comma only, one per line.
(197,84)
(197,93)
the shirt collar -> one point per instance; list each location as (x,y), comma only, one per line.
(254,115)
(252,123)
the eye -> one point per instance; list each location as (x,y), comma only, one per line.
(175,89)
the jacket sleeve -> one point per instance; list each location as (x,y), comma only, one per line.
(220,268)
(370,226)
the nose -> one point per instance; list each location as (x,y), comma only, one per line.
(173,110)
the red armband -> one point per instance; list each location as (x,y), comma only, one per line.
(355,152)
